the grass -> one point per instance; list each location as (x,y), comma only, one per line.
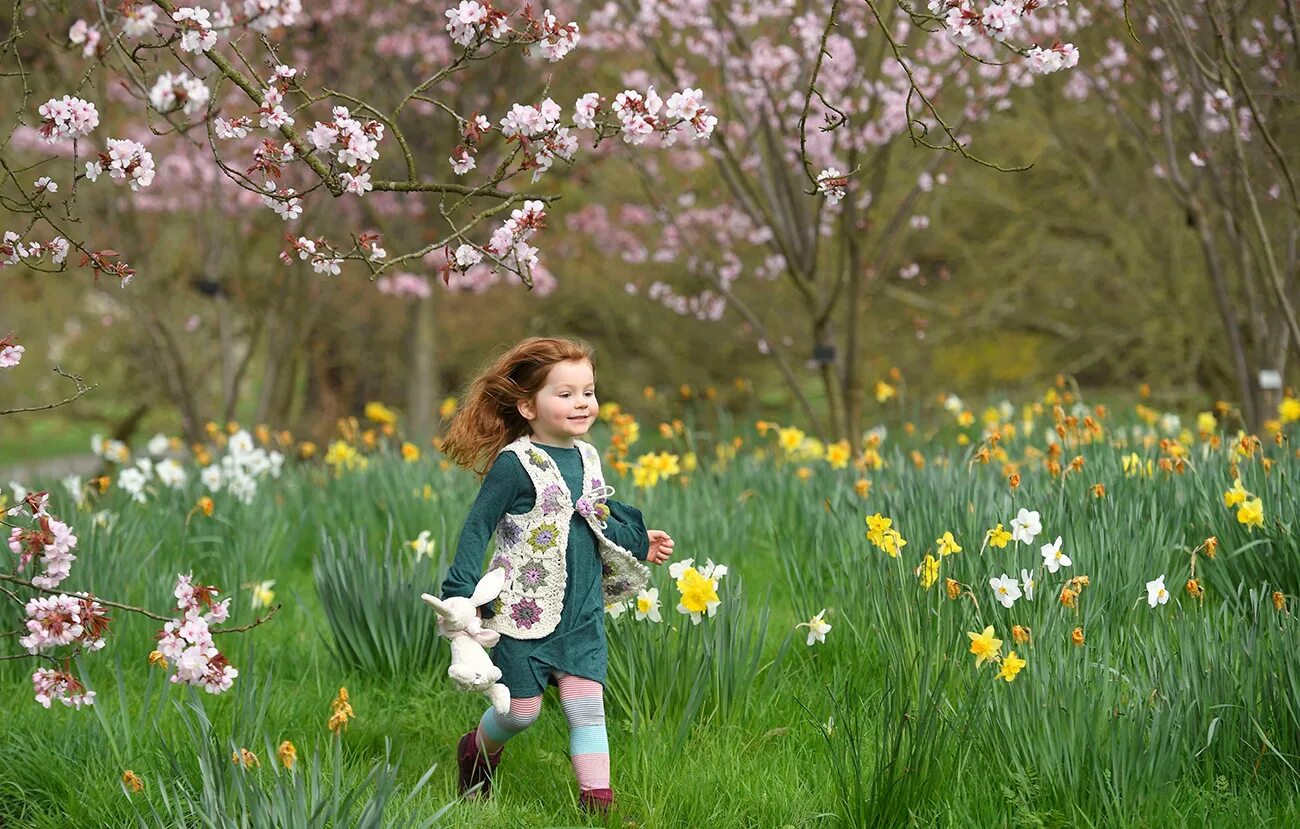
(1183,714)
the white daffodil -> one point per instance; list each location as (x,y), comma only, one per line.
(817,629)
(1026,526)
(263,595)
(1027,581)
(1005,590)
(1156,592)
(616,609)
(1053,558)
(678,567)
(647,605)
(423,544)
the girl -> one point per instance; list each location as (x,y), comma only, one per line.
(567,549)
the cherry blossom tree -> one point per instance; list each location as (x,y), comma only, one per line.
(1208,98)
(813,189)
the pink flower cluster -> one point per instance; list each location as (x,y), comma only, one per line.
(469,21)
(125,160)
(67,117)
(360,146)
(54,621)
(84,35)
(11,353)
(405,285)
(640,115)
(999,20)
(179,91)
(51,685)
(187,641)
(51,539)
(509,243)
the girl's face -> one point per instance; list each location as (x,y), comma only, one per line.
(566,406)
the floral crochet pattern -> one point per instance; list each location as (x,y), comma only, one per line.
(503,561)
(509,533)
(543,537)
(532,575)
(552,499)
(538,459)
(525,613)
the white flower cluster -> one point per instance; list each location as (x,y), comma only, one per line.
(832,184)
(139,20)
(359,148)
(172,91)
(67,117)
(51,685)
(264,15)
(509,243)
(126,160)
(469,21)
(12,250)
(640,115)
(240,468)
(196,29)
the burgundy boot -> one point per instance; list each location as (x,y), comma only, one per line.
(476,766)
(596,801)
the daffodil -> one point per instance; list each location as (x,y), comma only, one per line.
(893,543)
(1156,592)
(647,605)
(616,609)
(1027,583)
(790,438)
(1011,665)
(1251,513)
(984,645)
(263,595)
(1237,495)
(817,629)
(998,537)
(1289,410)
(1053,558)
(380,413)
(837,455)
(1026,526)
(423,544)
(1005,589)
(947,544)
(884,391)
(929,571)
(699,595)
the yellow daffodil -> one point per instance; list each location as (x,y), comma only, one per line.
(1251,513)
(884,391)
(380,413)
(929,571)
(1237,495)
(837,454)
(410,452)
(998,537)
(984,645)
(947,544)
(1011,666)
(790,438)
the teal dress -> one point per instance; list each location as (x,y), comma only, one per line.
(577,645)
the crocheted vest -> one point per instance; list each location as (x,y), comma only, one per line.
(533,547)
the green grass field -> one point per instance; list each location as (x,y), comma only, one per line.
(1182,714)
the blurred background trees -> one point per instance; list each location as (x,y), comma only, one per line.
(1152,239)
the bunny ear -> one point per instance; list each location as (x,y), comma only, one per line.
(437,605)
(489,587)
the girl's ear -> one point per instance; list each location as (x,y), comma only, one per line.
(526,409)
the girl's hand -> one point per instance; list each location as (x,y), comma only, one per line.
(661,547)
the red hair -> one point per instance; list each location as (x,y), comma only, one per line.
(490,418)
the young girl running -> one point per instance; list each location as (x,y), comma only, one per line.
(566,547)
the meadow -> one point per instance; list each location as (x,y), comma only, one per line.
(1149,678)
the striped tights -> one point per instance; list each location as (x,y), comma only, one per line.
(584,707)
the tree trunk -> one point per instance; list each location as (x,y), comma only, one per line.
(423,388)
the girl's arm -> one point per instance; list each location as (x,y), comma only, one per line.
(501,487)
(626,528)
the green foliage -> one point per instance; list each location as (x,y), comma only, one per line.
(372,604)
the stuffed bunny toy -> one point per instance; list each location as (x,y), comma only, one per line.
(471,667)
